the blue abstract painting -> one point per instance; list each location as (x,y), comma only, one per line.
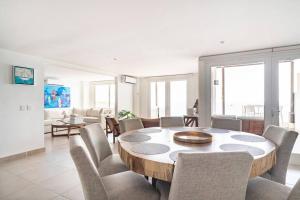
(57,96)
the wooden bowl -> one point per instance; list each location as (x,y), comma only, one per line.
(194,137)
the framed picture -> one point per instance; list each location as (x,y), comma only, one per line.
(23,75)
(57,96)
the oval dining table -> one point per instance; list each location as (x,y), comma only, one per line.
(153,151)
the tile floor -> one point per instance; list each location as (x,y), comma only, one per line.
(52,175)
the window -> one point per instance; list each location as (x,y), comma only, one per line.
(178,97)
(238,90)
(105,95)
(168,98)
(157,99)
(289,90)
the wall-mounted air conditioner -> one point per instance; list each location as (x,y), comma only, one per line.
(128,79)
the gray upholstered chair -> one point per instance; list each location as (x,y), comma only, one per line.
(226,123)
(171,121)
(130,124)
(284,141)
(120,186)
(209,176)
(263,189)
(106,162)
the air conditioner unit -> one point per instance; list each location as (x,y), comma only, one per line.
(128,79)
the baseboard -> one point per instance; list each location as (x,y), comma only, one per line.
(22,155)
(295,159)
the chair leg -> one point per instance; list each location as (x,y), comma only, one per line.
(154,182)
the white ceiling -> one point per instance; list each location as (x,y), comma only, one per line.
(67,74)
(153,37)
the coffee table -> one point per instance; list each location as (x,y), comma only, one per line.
(66,124)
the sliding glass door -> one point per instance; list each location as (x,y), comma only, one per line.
(289,94)
(158,99)
(178,98)
(168,98)
(238,90)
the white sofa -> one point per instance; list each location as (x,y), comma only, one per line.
(89,116)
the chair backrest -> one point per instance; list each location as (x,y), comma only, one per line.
(171,122)
(295,193)
(222,175)
(147,123)
(113,125)
(285,140)
(130,124)
(93,188)
(226,123)
(94,137)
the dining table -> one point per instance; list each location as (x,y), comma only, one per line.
(153,151)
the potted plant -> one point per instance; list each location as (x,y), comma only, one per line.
(125,114)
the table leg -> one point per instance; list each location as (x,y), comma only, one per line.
(52,131)
(154,182)
(69,130)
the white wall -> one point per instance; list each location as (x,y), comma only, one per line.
(21,131)
(124,96)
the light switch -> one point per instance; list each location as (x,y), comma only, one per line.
(22,108)
(28,107)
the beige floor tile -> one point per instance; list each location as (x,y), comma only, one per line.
(62,182)
(10,184)
(75,193)
(52,174)
(293,174)
(32,193)
(60,198)
(43,172)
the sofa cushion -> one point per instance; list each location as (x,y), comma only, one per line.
(106,111)
(93,112)
(80,112)
(129,185)
(111,165)
(91,120)
(54,114)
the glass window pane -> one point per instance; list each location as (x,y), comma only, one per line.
(284,93)
(153,100)
(178,97)
(102,96)
(157,93)
(244,90)
(112,96)
(217,90)
(161,98)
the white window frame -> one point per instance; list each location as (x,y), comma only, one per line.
(167,80)
(242,58)
(271,59)
(93,92)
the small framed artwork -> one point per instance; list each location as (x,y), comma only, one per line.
(23,75)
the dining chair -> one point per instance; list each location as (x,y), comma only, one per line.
(130,124)
(264,189)
(226,123)
(171,122)
(106,162)
(147,123)
(113,126)
(120,186)
(211,176)
(284,140)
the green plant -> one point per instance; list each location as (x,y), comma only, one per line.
(125,114)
